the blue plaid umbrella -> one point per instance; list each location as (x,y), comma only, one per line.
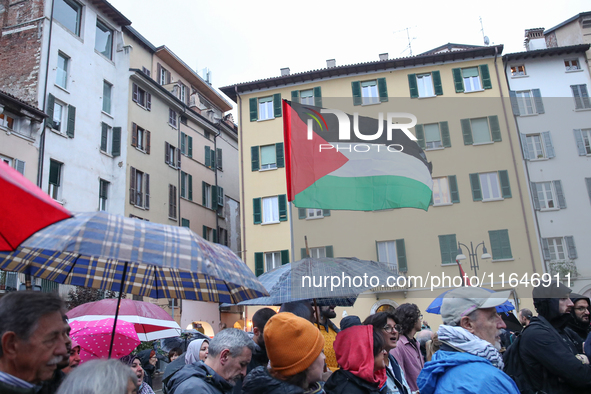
(99,249)
(284,283)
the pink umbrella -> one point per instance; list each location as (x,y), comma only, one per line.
(150,321)
(94,338)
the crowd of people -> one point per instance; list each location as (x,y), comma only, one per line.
(299,351)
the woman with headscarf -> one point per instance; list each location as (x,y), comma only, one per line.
(196,351)
(135,363)
(362,356)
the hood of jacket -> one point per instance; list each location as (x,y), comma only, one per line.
(173,367)
(259,381)
(441,363)
(201,371)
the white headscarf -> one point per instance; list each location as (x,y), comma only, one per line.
(193,349)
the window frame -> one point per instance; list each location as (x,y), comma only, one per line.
(77,7)
(530,137)
(423,83)
(61,55)
(110,97)
(543,189)
(108,147)
(498,185)
(276,261)
(471,79)
(141,136)
(449,202)
(586,136)
(173,118)
(583,97)
(490,140)
(103,194)
(105,28)
(371,86)
(440,146)
(271,166)
(267,217)
(9,121)
(309,96)
(516,73)
(314,213)
(63,121)
(569,67)
(207,194)
(522,102)
(54,189)
(318,251)
(388,258)
(265,107)
(555,246)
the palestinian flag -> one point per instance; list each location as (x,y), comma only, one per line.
(360,175)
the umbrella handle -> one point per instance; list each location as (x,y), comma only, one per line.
(117,311)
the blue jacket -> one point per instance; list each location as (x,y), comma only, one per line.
(457,372)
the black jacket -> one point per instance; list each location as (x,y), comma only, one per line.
(258,381)
(344,382)
(149,369)
(197,378)
(548,357)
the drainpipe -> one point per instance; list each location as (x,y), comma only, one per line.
(215,169)
(527,233)
(242,202)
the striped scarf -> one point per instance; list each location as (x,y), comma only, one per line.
(470,343)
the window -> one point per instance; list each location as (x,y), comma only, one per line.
(314,213)
(172,156)
(185,223)
(272,260)
(500,245)
(186,186)
(581,96)
(318,253)
(425,85)
(267,261)
(392,253)
(432,136)
(448,248)
(267,157)
(172,201)
(209,157)
(183,93)
(111,140)
(7,121)
(369,92)
(139,190)
(107,87)
(58,115)
(583,140)
(61,77)
(172,118)
(559,248)
(518,71)
(219,159)
(103,42)
(62,116)
(206,200)
(556,249)
(140,138)
(548,195)
(146,71)
(164,76)
(19,165)
(68,13)
(481,130)
(308,96)
(572,65)
(270,209)
(490,186)
(55,179)
(445,190)
(472,79)
(210,234)
(103,194)
(264,108)
(141,97)
(526,102)
(186,145)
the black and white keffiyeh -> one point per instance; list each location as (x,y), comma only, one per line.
(464,340)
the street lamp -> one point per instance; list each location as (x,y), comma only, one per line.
(473,254)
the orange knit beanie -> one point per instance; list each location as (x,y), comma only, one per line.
(292,343)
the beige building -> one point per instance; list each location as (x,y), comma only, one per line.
(459,95)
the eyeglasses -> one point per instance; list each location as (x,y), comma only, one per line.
(389,329)
(581,309)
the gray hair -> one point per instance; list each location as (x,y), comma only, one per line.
(233,339)
(456,322)
(424,336)
(98,377)
(20,312)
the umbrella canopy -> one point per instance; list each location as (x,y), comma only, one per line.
(24,208)
(287,284)
(435,306)
(98,249)
(150,321)
(94,338)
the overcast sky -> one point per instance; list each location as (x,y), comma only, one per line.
(242,41)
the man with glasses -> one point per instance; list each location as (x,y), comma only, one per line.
(408,352)
(384,323)
(578,328)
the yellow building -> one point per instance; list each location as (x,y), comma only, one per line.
(460,98)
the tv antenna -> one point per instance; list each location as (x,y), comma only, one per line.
(408,38)
(485,38)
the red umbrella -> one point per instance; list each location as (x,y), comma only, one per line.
(150,321)
(24,208)
(94,338)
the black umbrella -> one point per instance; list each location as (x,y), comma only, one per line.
(511,322)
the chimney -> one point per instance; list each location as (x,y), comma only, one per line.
(383,56)
(330,63)
(534,39)
(284,71)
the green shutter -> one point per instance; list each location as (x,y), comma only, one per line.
(282,207)
(54,172)
(214,197)
(514,103)
(212,160)
(500,245)
(301,213)
(50,105)
(277,105)
(356,89)
(420,134)
(204,232)
(284,257)
(318,96)
(475,184)
(383,90)
(538,101)
(116,141)
(505,186)
(437,83)
(303,253)
(448,248)
(485,76)
(254,158)
(183,187)
(295,96)
(401,255)
(453,189)
(445,138)
(71,121)
(458,80)
(220,196)
(326,212)
(190,187)
(215,236)
(495,128)
(279,155)
(412,85)
(104,136)
(219,158)
(467,131)
(259,267)
(185,223)
(254,109)
(256,209)
(190,148)
(183,146)
(207,156)
(329,251)
(203,193)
